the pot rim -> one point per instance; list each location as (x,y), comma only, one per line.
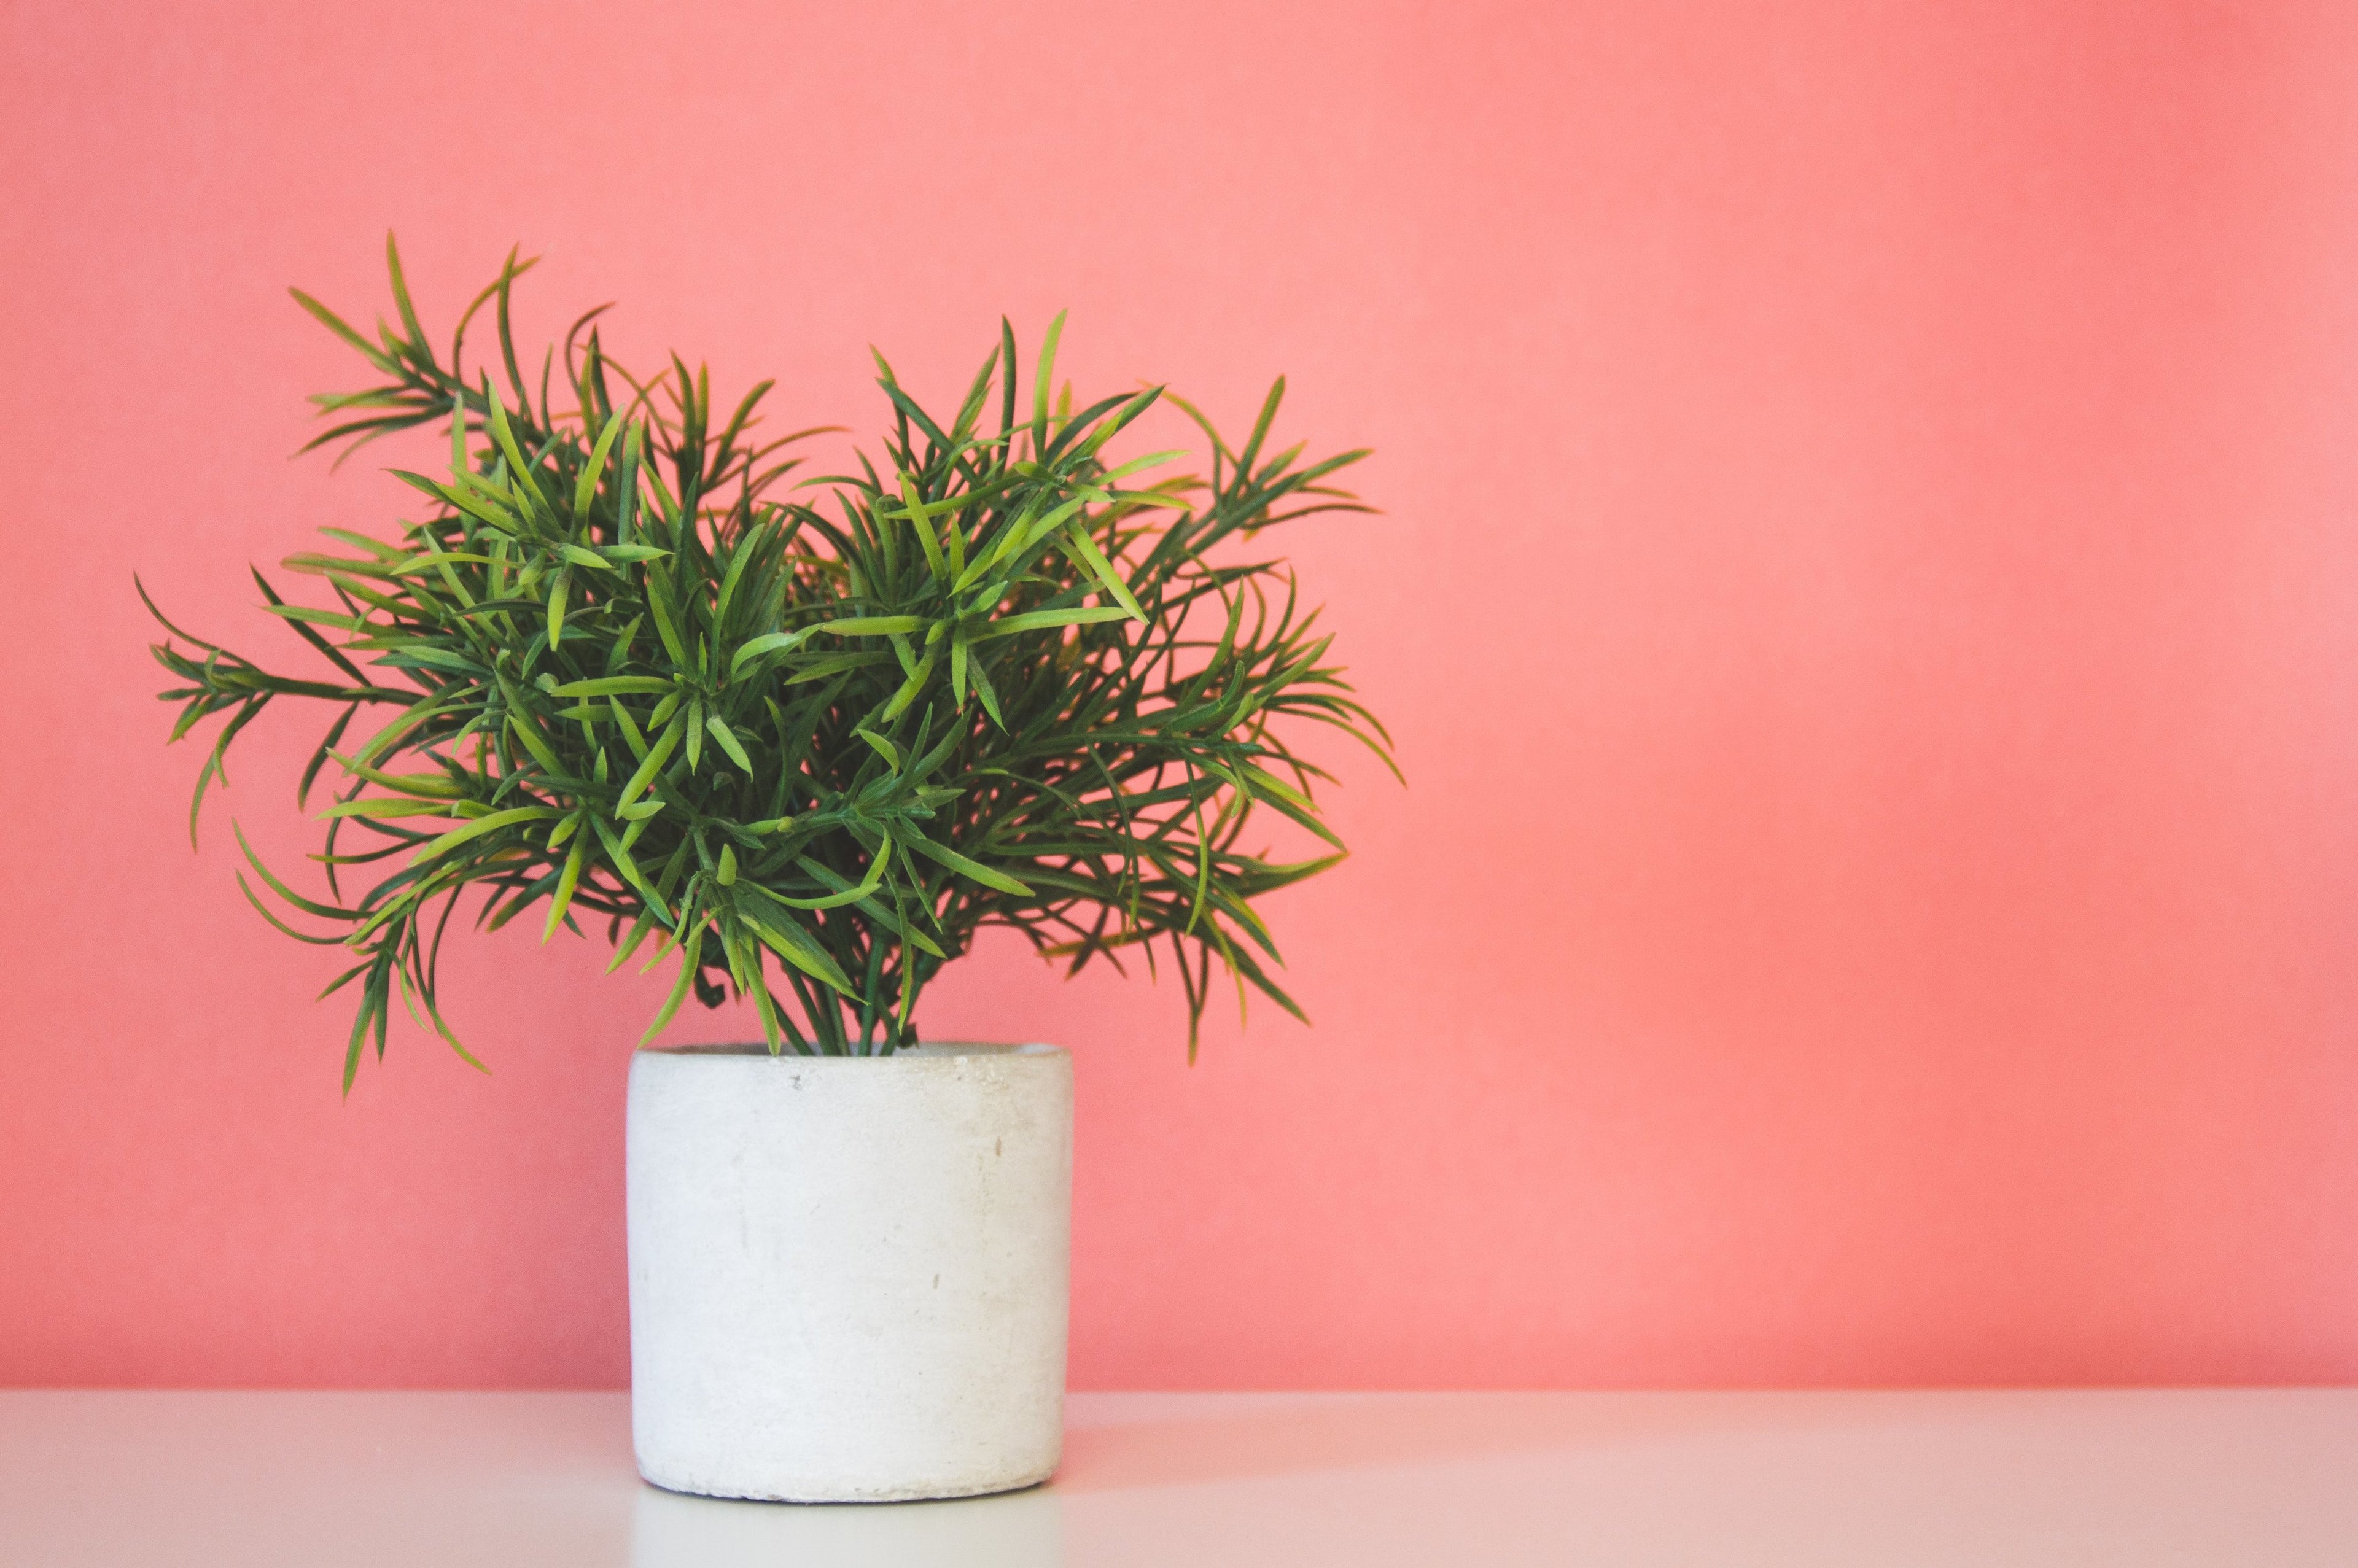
(930,1051)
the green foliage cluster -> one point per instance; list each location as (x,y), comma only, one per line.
(810,738)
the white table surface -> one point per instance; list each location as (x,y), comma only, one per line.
(2141,1479)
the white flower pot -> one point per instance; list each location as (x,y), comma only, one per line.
(849,1274)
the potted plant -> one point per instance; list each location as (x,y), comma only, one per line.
(802,743)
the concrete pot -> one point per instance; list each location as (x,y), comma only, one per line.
(849,1274)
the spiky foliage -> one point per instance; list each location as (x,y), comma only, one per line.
(810,740)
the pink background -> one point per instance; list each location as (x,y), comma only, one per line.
(1868,595)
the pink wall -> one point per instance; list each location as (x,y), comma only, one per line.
(1868,597)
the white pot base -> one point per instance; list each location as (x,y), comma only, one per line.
(686,1486)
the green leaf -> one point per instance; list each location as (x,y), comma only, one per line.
(1040,619)
(585,488)
(613,686)
(1042,380)
(789,942)
(768,643)
(739,559)
(983,689)
(263,910)
(316,617)
(336,324)
(973,870)
(650,764)
(1291,803)
(637,934)
(1152,459)
(637,742)
(845,893)
(566,882)
(875,910)
(380,807)
(401,297)
(309,906)
(690,960)
(618,855)
(921,523)
(659,605)
(519,471)
(1260,426)
(728,742)
(529,735)
(477,828)
(835,664)
(557,606)
(387,738)
(1083,551)
(912,686)
(875,626)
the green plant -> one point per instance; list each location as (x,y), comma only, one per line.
(840,725)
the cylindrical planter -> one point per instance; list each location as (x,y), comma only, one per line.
(849,1273)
